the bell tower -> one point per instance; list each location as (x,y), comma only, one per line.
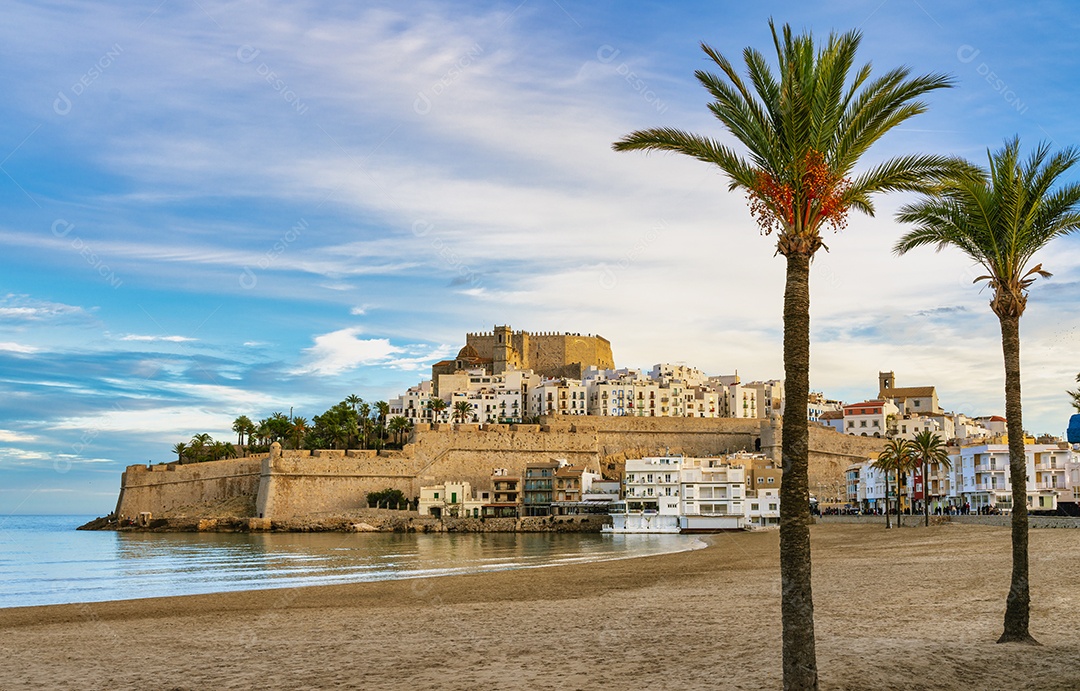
(886,380)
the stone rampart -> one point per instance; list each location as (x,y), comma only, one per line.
(162,489)
(294,487)
(294,484)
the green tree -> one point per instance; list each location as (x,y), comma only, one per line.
(388,498)
(804,131)
(398,425)
(894,458)
(299,429)
(198,446)
(1000,217)
(435,406)
(241,425)
(179,449)
(462,410)
(928,449)
(1076,396)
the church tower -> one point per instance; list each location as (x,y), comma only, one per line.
(886,380)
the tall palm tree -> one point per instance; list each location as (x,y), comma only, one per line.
(928,449)
(353,400)
(300,428)
(893,459)
(804,132)
(179,449)
(1000,217)
(241,425)
(1075,395)
(398,425)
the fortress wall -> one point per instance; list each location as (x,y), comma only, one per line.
(298,487)
(300,483)
(162,489)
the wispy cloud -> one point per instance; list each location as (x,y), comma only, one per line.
(9,436)
(154,339)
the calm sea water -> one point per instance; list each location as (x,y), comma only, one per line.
(44,560)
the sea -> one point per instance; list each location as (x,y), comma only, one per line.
(45,561)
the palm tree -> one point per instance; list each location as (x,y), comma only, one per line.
(398,425)
(363,419)
(435,406)
(300,427)
(893,459)
(197,446)
(462,410)
(1000,217)
(241,425)
(179,450)
(804,132)
(928,448)
(353,400)
(1076,396)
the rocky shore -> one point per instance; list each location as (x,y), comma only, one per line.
(365,521)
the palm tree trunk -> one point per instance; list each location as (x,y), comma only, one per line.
(926,492)
(899,499)
(1018,602)
(888,508)
(796,603)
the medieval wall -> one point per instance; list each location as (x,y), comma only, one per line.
(166,489)
(302,483)
(292,487)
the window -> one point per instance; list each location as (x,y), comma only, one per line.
(753,507)
(917,403)
(436,495)
(772,507)
(771,480)
(862,423)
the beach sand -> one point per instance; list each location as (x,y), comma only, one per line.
(914,608)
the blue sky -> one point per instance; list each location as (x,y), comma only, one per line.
(215,208)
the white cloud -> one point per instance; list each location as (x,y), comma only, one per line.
(339,351)
(23,307)
(12,347)
(154,339)
(9,436)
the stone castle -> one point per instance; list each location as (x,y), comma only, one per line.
(554,355)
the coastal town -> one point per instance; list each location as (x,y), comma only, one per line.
(673,493)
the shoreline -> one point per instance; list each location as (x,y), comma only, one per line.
(893,609)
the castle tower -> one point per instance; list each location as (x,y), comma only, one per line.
(502,355)
(886,380)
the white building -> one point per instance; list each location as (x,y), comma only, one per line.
(985,482)
(869,418)
(558,397)
(713,495)
(763,507)
(650,496)
(452,499)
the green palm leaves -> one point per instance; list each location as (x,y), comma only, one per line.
(1000,216)
(804,130)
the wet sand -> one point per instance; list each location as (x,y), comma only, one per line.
(915,608)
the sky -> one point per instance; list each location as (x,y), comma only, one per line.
(211,209)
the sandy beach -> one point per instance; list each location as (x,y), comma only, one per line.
(915,608)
